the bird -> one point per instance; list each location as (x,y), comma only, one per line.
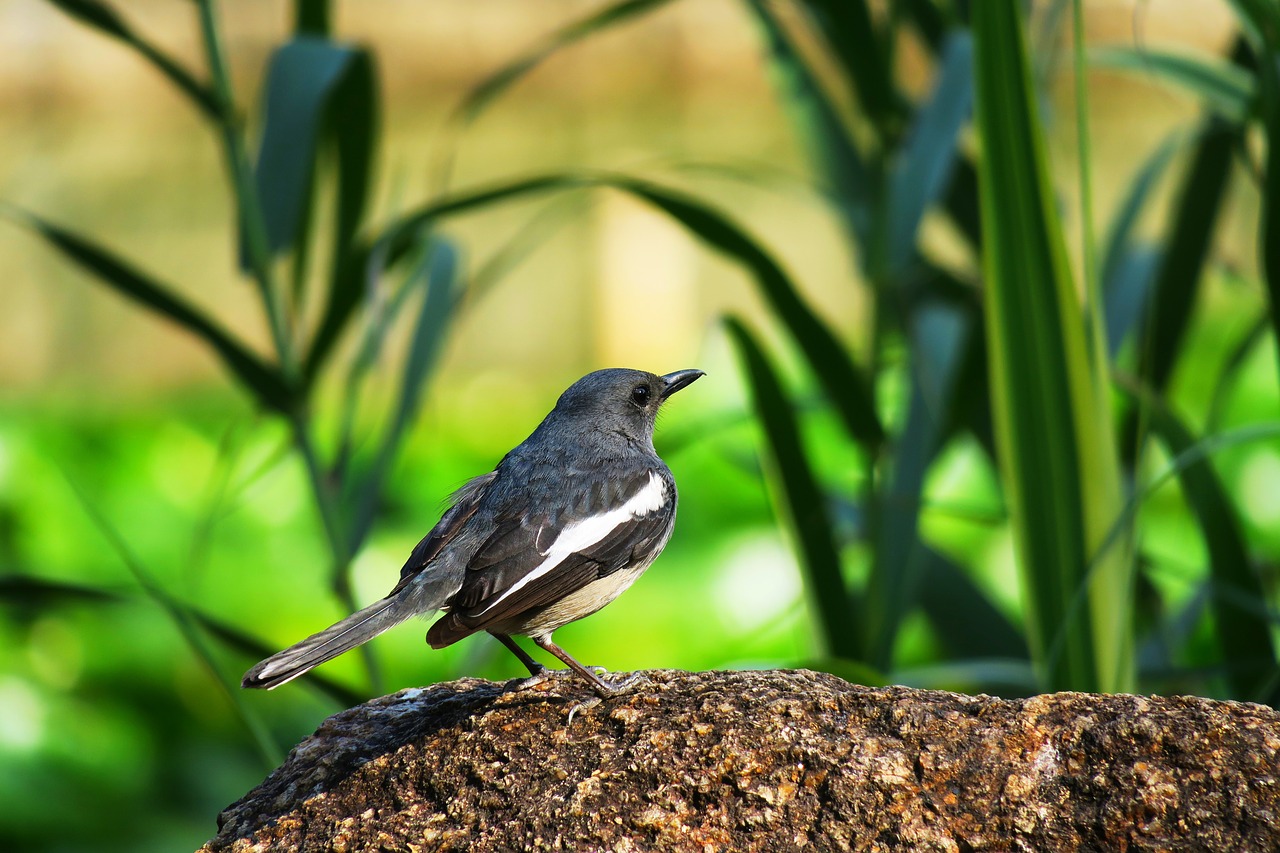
(562,526)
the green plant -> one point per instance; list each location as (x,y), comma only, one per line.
(1024,353)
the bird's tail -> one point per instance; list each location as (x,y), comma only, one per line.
(357,628)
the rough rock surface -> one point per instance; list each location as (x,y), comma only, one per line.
(770,761)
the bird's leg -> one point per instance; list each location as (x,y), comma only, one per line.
(604,689)
(537,672)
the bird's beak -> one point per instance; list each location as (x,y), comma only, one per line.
(673,382)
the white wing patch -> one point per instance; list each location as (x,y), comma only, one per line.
(581,535)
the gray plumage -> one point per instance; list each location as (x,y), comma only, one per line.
(560,528)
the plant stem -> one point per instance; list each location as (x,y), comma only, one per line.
(248,206)
(1093,298)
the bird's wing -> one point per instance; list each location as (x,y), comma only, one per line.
(541,556)
(465,503)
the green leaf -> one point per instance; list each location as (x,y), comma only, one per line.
(351,128)
(1269,226)
(803,497)
(36,595)
(437,275)
(1128,269)
(840,378)
(938,339)
(1187,247)
(1238,601)
(104,18)
(849,30)
(1128,292)
(963,619)
(821,130)
(180,615)
(1120,235)
(1223,87)
(312,16)
(489,89)
(303,85)
(117,274)
(254,649)
(927,161)
(1057,457)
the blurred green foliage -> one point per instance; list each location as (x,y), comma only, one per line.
(148,555)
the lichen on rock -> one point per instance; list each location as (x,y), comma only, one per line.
(769,761)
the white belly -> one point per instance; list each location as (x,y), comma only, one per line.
(575,605)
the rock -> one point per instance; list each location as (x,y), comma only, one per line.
(769,761)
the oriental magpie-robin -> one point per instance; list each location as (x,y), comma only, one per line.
(564,524)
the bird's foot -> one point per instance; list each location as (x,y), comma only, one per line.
(542,676)
(609,689)
(606,689)
(584,705)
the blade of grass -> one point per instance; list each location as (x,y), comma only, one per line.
(438,276)
(965,621)
(301,81)
(40,595)
(488,90)
(1120,236)
(1224,88)
(938,339)
(254,649)
(851,33)
(1187,249)
(105,20)
(1242,619)
(1058,464)
(1269,226)
(123,278)
(180,618)
(927,162)
(821,129)
(248,205)
(803,497)
(846,387)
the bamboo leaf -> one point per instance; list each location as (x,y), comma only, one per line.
(821,130)
(805,504)
(119,275)
(303,84)
(1269,226)
(1187,248)
(938,340)
(489,89)
(927,163)
(438,277)
(181,618)
(1128,269)
(351,127)
(848,391)
(851,32)
(965,621)
(1242,621)
(36,595)
(105,20)
(1224,88)
(1058,462)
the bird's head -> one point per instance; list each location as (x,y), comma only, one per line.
(622,401)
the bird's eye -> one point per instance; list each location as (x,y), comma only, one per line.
(640,394)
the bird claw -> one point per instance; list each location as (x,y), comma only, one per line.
(609,689)
(541,676)
(584,705)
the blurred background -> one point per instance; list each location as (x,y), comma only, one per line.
(276,286)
